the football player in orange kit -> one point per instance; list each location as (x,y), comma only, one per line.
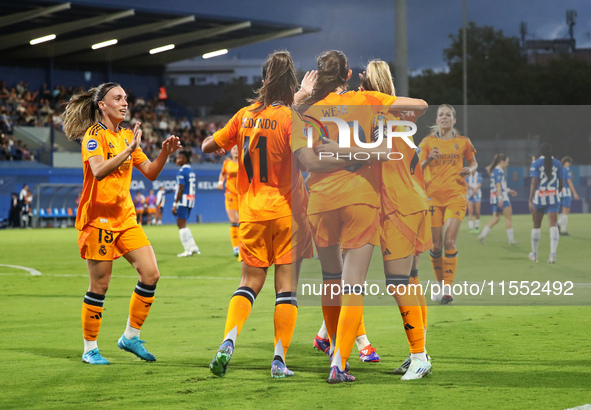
(405,229)
(344,195)
(442,158)
(106,219)
(274,229)
(229,174)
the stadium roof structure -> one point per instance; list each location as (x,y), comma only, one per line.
(77,27)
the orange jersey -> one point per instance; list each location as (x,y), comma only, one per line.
(442,176)
(355,184)
(107,204)
(402,190)
(230,170)
(266,163)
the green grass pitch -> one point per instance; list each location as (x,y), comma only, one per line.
(495,355)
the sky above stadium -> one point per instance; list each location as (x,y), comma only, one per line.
(365,30)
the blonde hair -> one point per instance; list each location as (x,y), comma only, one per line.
(378,77)
(82,110)
(435,128)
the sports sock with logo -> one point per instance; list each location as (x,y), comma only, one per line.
(437,262)
(414,280)
(92,314)
(286,313)
(139,307)
(410,310)
(238,311)
(234,234)
(450,263)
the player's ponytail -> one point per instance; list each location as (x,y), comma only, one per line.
(546,151)
(82,110)
(497,159)
(377,77)
(279,81)
(333,70)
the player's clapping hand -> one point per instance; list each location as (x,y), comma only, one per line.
(171,144)
(137,137)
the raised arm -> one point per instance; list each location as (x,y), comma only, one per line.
(150,169)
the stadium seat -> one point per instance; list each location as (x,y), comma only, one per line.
(63,212)
(42,213)
(70,212)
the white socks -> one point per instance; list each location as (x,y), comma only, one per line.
(470,225)
(563,222)
(362,342)
(187,239)
(323,333)
(89,345)
(422,356)
(535,240)
(477,223)
(130,332)
(510,235)
(485,231)
(554,237)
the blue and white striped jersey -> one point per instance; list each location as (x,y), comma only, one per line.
(186,177)
(547,191)
(473,181)
(498,177)
(566,191)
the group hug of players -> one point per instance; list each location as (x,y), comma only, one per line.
(350,204)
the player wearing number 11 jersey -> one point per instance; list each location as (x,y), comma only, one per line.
(272,208)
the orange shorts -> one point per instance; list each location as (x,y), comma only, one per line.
(352,226)
(101,245)
(279,241)
(151,210)
(139,211)
(403,235)
(231,201)
(440,214)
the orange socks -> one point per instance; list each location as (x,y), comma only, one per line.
(140,304)
(437,262)
(410,310)
(349,319)
(450,263)
(238,311)
(361,330)
(234,234)
(286,313)
(92,313)
(414,280)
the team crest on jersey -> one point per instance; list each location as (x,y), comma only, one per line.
(457,146)
(91,145)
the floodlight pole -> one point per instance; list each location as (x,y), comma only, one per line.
(401,54)
(465,67)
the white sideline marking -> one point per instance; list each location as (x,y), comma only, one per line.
(583,407)
(33,272)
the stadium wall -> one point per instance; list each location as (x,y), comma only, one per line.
(210,207)
(209,204)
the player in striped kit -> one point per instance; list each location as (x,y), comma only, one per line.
(474,183)
(184,201)
(546,183)
(499,198)
(568,192)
